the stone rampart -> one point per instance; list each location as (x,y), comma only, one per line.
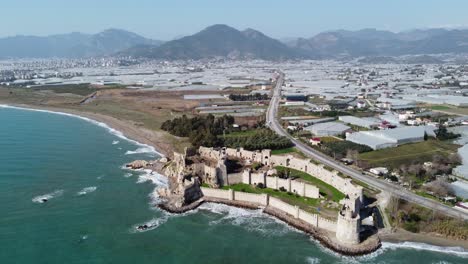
(261,199)
(282,206)
(216,193)
(265,200)
(326,224)
(297,187)
(306,165)
(308,217)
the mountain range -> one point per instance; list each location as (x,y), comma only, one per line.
(72,45)
(222,41)
(218,41)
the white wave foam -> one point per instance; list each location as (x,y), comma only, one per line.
(151,224)
(46,197)
(141,150)
(115,142)
(128,175)
(312,260)
(148,148)
(252,220)
(459,251)
(155,178)
(87,190)
(348,259)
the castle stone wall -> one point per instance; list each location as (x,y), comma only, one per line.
(308,217)
(285,207)
(265,200)
(347,229)
(261,199)
(216,193)
(348,224)
(298,187)
(326,224)
(305,165)
(284,183)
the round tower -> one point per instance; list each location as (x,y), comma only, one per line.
(348,226)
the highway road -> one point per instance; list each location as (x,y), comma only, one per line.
(395,190)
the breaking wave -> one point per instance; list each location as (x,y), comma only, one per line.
(155,178)
(141,150)
(386,246)
(252,220)
(87,190)
(46,197)
(458,251)
(115,142)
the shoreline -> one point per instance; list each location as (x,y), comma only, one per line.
(326,239)
(141,136)
(401,236)
(129,131)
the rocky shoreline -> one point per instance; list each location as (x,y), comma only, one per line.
(371,244)
(180,210)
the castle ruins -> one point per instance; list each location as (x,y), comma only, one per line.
(209,166)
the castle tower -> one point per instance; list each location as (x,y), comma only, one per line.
(348,225)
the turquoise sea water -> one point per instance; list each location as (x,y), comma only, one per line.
(94,205)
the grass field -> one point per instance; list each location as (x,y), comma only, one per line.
(304,203)
(284,151)
(440,107)
(329,139)
(327,190)
(246,133)
(293,111)
(408,154)
(450,109)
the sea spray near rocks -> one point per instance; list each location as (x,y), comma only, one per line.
(252,220)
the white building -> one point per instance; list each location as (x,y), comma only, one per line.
(328,129)
(392,137)
(357,121)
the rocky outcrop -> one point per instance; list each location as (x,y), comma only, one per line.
(183,187)
(138,164)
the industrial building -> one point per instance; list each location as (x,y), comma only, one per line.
(361,122)
(391,137)
(328,129)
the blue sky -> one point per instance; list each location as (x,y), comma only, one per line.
(172,18)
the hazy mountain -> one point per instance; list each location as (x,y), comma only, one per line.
(71,45)
(371,42)
(218,41)
(227,42)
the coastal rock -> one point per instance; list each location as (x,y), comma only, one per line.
(138,164)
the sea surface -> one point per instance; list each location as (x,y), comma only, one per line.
(94,204)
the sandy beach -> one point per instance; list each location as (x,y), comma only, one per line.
(401,235)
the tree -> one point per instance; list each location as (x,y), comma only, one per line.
(352,154)
(440,188)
